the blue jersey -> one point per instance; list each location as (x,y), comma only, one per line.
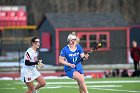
(72,56)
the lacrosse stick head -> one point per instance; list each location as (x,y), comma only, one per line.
(100,44)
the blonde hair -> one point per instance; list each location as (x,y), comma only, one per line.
(77,38)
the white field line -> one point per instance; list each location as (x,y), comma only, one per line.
(50,87)
(131,91)
(90,82)
(58,84)
(92,87)
(7,88)
(104,86)
(95,82)
(95,87)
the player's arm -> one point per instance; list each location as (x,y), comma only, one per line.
(85,56)
(82,54)
(62,61)
(28,60)
(28,63)
(40,64)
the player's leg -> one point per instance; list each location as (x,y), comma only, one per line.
(135,66)
(80,88)
(30,86)
(139,65)
(137,69)
(81,82)
(41,82)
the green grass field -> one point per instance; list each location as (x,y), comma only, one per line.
(105,85)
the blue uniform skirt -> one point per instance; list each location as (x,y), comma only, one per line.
(70,72)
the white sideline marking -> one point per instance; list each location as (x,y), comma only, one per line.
(101,86)
(89,82)
(51,87)
(96,86)
(117,90)
(7,88)
(97,82)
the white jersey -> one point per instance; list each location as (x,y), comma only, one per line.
(29,73)
(30,55)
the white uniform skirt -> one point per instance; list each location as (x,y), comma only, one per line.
(28,74)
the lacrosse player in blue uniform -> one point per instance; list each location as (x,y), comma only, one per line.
(69,55)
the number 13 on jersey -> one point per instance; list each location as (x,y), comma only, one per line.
(74,59)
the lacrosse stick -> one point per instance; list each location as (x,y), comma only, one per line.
(98,45)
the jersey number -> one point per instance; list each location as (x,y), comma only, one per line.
(74,59)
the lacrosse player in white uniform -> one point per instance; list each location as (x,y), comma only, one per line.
(29,71)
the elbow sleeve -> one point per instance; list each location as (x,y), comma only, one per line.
(28,63)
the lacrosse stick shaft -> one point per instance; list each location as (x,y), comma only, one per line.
(98,45)
(81,60)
